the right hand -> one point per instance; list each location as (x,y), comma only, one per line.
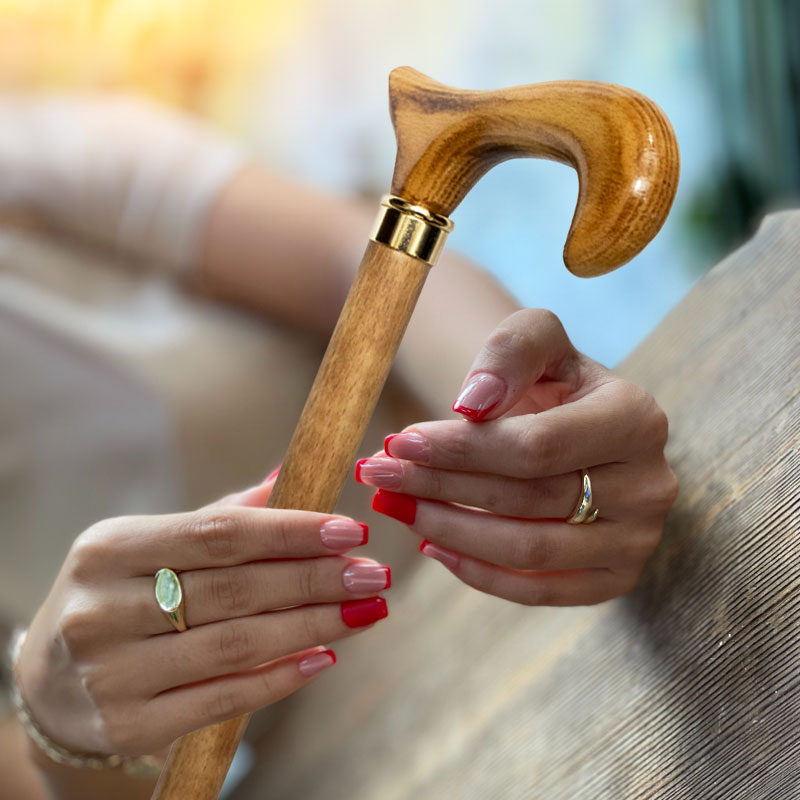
(102,669)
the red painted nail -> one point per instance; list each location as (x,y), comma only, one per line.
(357,613)
(402,507)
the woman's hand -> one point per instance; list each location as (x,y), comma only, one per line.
(490,495)
(103,670)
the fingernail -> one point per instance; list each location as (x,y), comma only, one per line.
(402,507)
(273,474)
(366,578)
(382,472)
(449,558)
(357,613)
(340,534)
(316,662)
(408,446)
(483,392)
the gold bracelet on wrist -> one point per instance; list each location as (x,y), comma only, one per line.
(136,766)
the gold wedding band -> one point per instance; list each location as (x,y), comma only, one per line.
(584,513)
(169,596)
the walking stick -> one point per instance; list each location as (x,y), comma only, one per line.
(626,156)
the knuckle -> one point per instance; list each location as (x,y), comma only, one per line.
(215,531)
(661,492)
(305,575)
(541,445)
(236,646)
(231,591)
(533,551)
(456,448)
(79,628)
(224,703)
(507,339)
(94,547)
(312,627)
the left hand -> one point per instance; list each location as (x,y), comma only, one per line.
(491,495)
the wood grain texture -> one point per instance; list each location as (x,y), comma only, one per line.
(688,688)
(319,460)
(620,142)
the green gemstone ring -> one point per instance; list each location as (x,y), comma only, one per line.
(169,596)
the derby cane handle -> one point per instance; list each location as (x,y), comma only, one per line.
(625,153)
(620,143)
(319,459)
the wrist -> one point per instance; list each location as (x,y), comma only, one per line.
(51,756)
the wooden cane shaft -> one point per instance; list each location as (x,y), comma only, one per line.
(319,459)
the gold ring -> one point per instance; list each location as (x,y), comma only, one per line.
(169,596)
(584,513)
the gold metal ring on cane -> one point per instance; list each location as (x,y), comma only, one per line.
(584,513)
(170,599)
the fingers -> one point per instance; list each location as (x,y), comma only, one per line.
(178,711)
(576,587)
(618,490)
(214,537)
(224,648)
(553,497)
(518,543)
(612,424)
(224,593)
(525,347)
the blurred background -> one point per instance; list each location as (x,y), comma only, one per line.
(303,85)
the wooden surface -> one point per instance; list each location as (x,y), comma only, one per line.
(620,142)
(319,460)
(689,688)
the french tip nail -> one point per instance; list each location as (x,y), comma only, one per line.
(316,662)
(447,557)
(357,471)
(422,545)
(471,413)
(386,443)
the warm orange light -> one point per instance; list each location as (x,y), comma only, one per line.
(197,54)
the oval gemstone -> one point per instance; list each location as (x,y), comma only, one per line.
(168,590)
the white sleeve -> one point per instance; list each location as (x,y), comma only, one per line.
(118,169)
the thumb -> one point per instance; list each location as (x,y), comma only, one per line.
(523,348)
(254,497)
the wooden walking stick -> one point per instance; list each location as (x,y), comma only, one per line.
(625,153)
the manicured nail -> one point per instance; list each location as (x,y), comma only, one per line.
(408,446)
(449,558)
(273,474)
(357,613)
(483,392)
(385,473)
(402,507)
(316,662)
(341,534)
(361,578)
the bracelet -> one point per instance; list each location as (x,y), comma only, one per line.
(135,766)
